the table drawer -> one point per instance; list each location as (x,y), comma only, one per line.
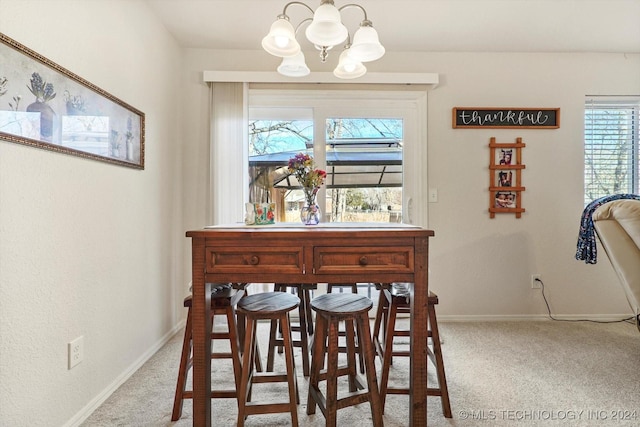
(280,259)
(357,259)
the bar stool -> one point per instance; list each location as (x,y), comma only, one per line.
(240,322)
(394,299)
(304,326)
(353,286)
(331,309)
(354,290)
(267,306)
(223,301)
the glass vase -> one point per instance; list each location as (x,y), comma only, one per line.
(310,213)
(46,118)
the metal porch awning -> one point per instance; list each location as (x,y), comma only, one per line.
(359,164)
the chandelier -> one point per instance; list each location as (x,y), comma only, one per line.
(325,31)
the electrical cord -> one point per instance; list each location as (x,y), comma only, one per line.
(629,320)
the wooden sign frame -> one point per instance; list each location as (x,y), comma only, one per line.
(505,118)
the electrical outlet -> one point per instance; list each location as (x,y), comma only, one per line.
(536,281)
(76,351)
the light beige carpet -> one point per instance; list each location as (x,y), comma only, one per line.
(542,373)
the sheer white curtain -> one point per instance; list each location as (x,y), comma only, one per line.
(228,142)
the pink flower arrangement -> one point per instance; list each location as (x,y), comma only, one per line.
(310,177)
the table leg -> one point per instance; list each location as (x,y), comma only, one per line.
(418,325)
(201,337)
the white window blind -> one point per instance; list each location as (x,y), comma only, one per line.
(611,143)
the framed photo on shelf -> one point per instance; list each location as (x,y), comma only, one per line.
(505,199)
(505,157)
(506,178)
(46,106)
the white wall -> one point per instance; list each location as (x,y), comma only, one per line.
(481,267)
(92,249)
(88,248)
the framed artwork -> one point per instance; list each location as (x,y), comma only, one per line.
(47,106)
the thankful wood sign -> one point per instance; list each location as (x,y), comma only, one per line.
(506,118)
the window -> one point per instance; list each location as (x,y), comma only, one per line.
(364,169)
(370,145)
(363,161)
(611,146)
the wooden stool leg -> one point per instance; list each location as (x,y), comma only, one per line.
(361,353)
(349,327)
(366,347)
(182,373)
(235,347)
(439,362)
(273,332)
(307,308)
(294,397)
(276,333)
(241,322)
(304,338)
(317,362)
(332,380)
(387,352)
(247,366)
(379,315)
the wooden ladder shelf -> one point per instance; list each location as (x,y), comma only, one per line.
(505,177)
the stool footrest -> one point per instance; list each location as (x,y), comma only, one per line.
(397,390)
(266,408)
(352,398)
(434,391)
(222,356)
(430,391)
(269,377)
(224,394)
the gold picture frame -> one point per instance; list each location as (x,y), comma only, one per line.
(44,105)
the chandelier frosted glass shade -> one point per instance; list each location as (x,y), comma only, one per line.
(326,29)
(281,40)
(294,66)
(366,45)
(349,68)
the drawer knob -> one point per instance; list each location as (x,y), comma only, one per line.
(254,260)
(363,260)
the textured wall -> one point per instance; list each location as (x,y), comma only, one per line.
(87,248)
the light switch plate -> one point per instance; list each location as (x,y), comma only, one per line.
(433,195)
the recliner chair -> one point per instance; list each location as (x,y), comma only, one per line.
(617,224)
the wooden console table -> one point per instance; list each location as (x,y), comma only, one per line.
(325,253)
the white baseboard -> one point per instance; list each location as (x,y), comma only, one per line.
(85,412)
(531,317)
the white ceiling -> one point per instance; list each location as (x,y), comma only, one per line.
(423,25)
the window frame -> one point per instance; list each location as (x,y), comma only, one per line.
(411,105)
(594,131)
